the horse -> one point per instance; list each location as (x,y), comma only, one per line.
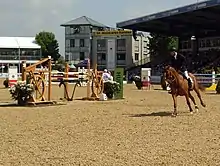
(179,87)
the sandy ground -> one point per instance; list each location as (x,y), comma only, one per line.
(135,131)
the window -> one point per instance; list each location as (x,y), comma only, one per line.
(145,49)
(121,44)
(67,43)
(202,43)
(81,43)
(72,43)
(136,45)
(101,44)
(145,46)
(120,57)
(218,42)
(136,56)
(101,56)
(82,56)
(208,43)
(67,30)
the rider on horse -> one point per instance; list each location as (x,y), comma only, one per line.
(178,62)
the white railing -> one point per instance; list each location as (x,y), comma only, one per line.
(201,78)
(56,76)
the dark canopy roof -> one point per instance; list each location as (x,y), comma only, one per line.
(200,19)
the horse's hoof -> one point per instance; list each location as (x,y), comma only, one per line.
(191,113)
(197,110)
(173,115)
(203,105)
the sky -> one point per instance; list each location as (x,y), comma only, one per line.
(28,17)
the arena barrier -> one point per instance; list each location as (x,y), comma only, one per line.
(208,80)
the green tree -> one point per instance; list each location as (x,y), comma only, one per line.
(159,45)
(49,45)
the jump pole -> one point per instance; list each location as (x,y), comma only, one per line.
(49,79)
(89,80)
(66,76)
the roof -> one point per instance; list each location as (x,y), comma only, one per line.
(84,21)
(18,42)
(195,19)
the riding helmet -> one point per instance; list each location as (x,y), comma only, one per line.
(173,49)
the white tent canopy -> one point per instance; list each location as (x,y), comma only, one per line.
(18,42)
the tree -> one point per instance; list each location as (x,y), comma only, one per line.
(49,45)
(159,45)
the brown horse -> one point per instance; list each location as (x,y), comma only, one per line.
(179,87)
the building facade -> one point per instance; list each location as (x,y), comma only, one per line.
(14,50)
(105,46)
(117,48)
(78,37)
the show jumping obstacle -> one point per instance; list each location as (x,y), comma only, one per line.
(95,84)
(37,78)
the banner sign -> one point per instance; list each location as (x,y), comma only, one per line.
(112,33)
(118,77)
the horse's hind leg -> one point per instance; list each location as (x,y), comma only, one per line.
(200,97)
(188,103)
(194,102)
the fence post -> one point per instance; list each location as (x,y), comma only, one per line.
(213,77)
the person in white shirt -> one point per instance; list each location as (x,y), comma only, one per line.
(106,76)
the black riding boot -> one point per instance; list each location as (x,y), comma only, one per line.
(189,83)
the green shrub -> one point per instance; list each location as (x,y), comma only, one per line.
(110,88)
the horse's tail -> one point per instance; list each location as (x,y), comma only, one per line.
(201,87)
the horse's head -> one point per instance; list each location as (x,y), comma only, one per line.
(169,74)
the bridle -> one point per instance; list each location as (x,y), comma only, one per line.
(169,76)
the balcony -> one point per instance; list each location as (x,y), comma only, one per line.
(121,48)
(16,57)
(78,36)
(121,62)
(77,49)
(101,62)
(101,49)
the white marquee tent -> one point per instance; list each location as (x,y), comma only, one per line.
(18,42)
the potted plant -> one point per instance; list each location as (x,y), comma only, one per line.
(110,88)
(138,82)
(21,92)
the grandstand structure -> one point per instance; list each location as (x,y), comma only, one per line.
(196,25)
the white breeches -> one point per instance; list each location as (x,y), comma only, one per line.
(186,74)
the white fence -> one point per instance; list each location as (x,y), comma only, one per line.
(205,79)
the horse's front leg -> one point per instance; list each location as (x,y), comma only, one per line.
(174,114)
